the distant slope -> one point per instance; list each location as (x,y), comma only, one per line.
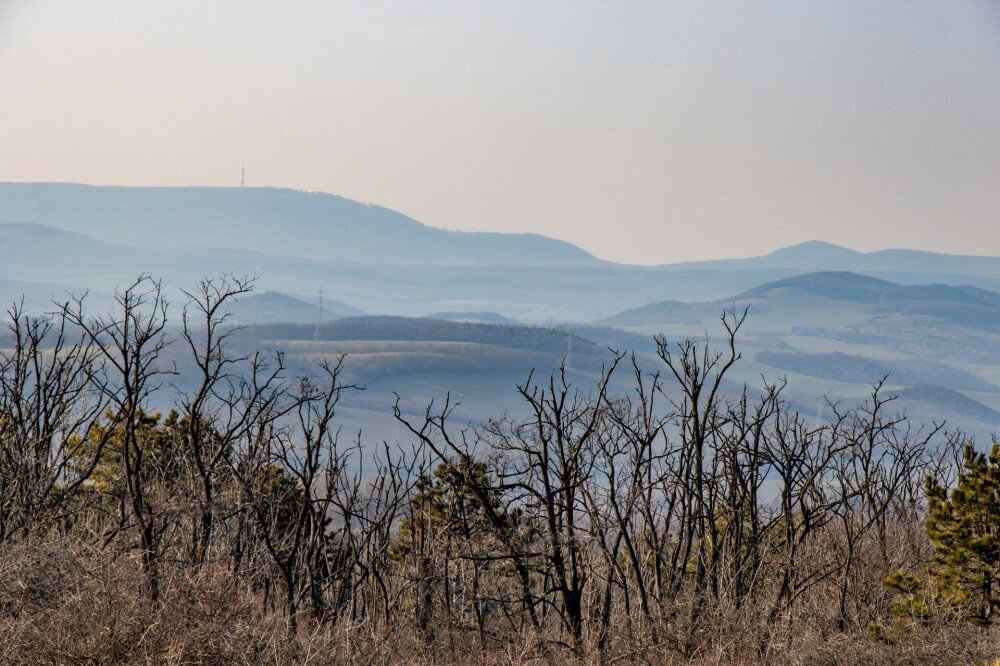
(849,368)
(961,305)
(474,317)
(302,224)
(837,285)
(273,307)
(612,338)
(861,288)
(817,255)
(39,297)
(33,251)
(478,365)
(424,359)
(946,403)
(835,333)
(542,293)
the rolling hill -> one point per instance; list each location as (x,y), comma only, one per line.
(425,359)
(835,333)
(847,293)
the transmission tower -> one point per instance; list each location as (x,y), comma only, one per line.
(319,314)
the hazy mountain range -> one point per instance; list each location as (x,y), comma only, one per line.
(310,225)
(378,260)
(446,304)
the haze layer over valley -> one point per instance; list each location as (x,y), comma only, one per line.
(340,276)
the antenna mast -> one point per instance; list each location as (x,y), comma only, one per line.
(319,314)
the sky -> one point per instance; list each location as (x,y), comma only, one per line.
(644,132)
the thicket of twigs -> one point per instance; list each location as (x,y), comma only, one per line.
(674,524)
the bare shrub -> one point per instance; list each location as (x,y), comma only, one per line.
(687,520)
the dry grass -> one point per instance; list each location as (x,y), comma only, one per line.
(65,602)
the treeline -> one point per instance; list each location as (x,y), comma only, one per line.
(675,523)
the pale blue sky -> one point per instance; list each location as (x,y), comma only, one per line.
(644,132)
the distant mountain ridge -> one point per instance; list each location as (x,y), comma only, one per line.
(316,225)
(819,255)
(60,236)
(302,224)
(832,318)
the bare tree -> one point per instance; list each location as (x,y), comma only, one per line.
(232,391)
(48,407)
(130,343)
(668,515)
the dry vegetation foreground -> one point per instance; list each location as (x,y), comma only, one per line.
(677,523)
(69,603)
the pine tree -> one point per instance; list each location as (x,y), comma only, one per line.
(964,528)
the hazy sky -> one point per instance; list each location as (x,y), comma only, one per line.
(644,132)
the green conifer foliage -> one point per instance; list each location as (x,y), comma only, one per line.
(964,527)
